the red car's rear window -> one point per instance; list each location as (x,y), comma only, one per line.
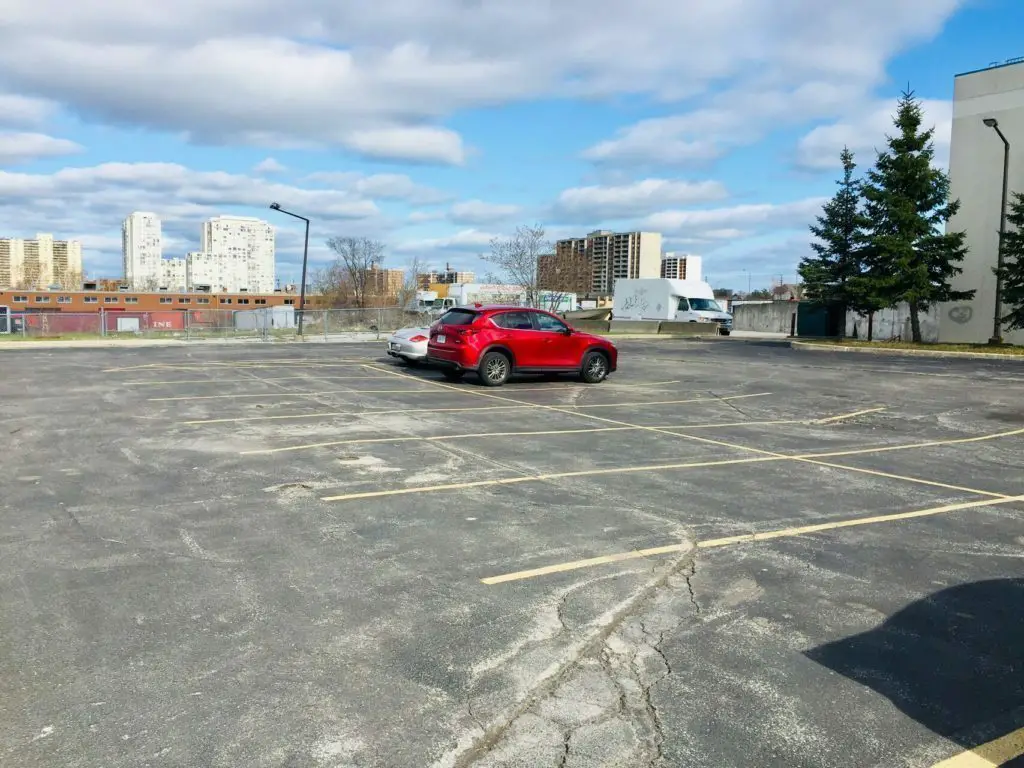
(458,317)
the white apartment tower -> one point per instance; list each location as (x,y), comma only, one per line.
(142,250)
(240,245)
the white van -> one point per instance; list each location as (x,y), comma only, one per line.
(665,299)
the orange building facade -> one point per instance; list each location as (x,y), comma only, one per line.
(137,301)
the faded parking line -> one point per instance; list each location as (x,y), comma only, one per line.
(747,538)
(471,435)
(519,406)
(766,456)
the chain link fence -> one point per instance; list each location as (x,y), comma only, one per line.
(265,324)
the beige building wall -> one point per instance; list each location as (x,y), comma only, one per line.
(12,262)
(976,173)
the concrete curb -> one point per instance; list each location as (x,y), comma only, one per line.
(908,352)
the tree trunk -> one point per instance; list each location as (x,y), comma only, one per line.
(871,325)
(915,323)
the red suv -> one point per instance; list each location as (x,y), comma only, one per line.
(496,342)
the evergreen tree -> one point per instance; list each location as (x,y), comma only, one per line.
(907,203)
(835,272)
(1013,264)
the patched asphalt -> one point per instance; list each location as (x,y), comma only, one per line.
(175,589)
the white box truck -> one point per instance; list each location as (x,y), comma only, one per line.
(660,298)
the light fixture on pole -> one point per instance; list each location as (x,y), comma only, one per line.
(997,321)
(305,257)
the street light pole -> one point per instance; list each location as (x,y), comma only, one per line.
(305,259)
(997,321)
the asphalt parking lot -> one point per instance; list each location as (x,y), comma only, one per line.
(728,554)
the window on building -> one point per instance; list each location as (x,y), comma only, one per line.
(42,299)
(166,300)
(92,299)
(243,301)
(202,301)
(289,302)
(225,301)
(111,299)
(184,301)
(131,299)
(261,301)
(20,299)
(63,299)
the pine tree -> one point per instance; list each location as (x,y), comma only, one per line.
(907,203)
(1013,264)
(835,273)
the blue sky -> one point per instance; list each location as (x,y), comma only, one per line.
(436,129)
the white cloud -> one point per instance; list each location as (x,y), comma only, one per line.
(23,112)
(733,221)
(466,241)
(90,202)
(418,144)
(383,186)
(732,118)
(865,131)
(25,147)
(330,73)
(479,212)
(636,199)
(269,165)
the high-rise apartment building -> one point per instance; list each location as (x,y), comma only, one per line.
(220,272)
(244,237)
(590,265)
(40,263)
(983,101)
(448,276)
(173,275)
(142,251)
(681,266)
(382,283)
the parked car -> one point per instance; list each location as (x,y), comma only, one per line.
(409,344)
(497,341)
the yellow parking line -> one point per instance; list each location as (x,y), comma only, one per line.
(225,382)
(847,416)
(279,393)
(519,406)
(547,476)
(765,456)
(989,755)
(547,570)
(747,538)
(471,435)
(761,452)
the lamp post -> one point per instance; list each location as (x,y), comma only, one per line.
(305,256)
(997,322)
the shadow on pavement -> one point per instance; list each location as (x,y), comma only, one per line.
(953,661)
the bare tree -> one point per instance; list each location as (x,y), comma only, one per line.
(352,273)
(410,281)
(516,257)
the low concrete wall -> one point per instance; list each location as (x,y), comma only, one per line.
(591,326)
(634,326)
(689,329)
(892,323)
(765,316)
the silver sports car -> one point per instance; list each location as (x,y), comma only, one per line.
(409,344)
